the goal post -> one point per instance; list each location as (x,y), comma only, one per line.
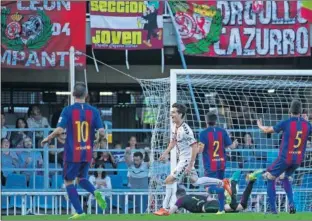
(239,98)
(71,73)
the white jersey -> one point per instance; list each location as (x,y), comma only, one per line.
(184,138)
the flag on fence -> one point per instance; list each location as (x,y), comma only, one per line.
(126,25)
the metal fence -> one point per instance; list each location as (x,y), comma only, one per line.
(53,201)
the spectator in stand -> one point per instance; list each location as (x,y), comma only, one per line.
(9,159)
(100,180)
(58,143)
(107,158)
(17,137)
(4,132)
(248,142)
(102,143)
(56,115)
(36,120)
(132,144)
(30,159)
(138,170)
(119,155)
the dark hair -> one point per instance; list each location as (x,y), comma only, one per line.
(180,108)
(31,107)
(211,118)
(180,192)
(252,141)
(22,119)
(130,139)
(97,166)
(138,154)
(80,90)
(295,107)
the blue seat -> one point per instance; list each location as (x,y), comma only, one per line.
(232,164)
(116,181)
(109,166)
(123,174)
(57,182)
(255,165)
(272,156)
(16,181)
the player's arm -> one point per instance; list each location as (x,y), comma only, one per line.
(167,151)
(193,144)
(265,129)
(228,142)
(194,147)
(201,143)
(128,156)
(62,123)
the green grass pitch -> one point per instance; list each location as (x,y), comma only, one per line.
(189,216)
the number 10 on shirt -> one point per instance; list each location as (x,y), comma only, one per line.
(82,130)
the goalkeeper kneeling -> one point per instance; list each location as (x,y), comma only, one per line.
(201,204)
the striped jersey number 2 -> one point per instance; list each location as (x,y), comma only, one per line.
(216,146)
(82,131)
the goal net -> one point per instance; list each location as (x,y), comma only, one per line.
(239,97)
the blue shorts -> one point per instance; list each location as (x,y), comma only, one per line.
(73,170)
(219,174)
(280,166)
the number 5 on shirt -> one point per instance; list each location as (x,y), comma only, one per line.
(299,139)
(82,130)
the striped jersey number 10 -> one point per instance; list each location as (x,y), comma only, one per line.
(82,131)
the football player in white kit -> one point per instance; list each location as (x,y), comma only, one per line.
(187,149)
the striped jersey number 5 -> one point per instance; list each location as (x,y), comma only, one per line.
(216,146)
(82,130)
(299,139)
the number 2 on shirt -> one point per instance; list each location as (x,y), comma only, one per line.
(82,130)
(216,146)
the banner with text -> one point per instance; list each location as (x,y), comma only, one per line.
(126,25)
(39,34)
(242,28)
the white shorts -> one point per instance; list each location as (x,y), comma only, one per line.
(179,172)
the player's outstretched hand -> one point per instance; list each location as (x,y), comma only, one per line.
(162,157)
(235,143)
(44,141)
(259,122)
(305,116)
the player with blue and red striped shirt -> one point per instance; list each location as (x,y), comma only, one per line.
(296,131)
(213,142)
(80,121)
